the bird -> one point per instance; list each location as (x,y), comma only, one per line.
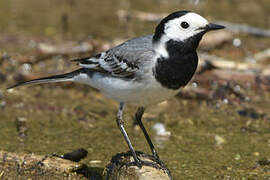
(143,71)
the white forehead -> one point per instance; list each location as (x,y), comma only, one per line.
(174,30)
(193,19)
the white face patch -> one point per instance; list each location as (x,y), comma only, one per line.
(174,30)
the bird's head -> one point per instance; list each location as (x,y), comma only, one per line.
(182,26)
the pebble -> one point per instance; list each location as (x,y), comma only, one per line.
(2,104)
(21,126)
(256,153)
(237,157)
(160,130)
(95,162)
(237,42)
(219,140)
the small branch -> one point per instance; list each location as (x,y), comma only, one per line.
(65,49)
(244,28)
(123,15)
(263,55)
(154,17)
(223,63)
(215,39)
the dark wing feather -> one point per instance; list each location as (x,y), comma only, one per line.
(121,61)
(113,65)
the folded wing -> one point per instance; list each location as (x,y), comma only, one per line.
(124,60)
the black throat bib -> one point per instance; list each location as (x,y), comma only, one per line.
(177,70)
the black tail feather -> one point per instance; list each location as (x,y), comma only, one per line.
(80,59)
(50,79)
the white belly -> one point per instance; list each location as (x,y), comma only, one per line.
(131,92)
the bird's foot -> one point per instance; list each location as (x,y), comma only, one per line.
(140,163)
(156,156)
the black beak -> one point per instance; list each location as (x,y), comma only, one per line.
(212,27)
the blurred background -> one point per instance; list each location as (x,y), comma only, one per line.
(218,127)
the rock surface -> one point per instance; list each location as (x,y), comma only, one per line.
(32,166)
(121,168)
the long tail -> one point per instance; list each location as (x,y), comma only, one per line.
(50,79)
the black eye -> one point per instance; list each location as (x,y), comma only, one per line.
(184,25)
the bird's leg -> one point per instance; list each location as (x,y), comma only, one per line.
(120,123)
(138,117)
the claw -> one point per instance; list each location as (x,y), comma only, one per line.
(137,162)
(155,154)
(140,163)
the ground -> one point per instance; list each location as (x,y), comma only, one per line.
(217,138)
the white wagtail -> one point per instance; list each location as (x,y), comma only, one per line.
(144,70)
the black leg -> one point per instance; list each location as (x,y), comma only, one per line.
(138,117)
(120,123)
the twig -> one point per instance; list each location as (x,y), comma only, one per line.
(263,55)
(65,49)
(237,28)
(224,63)
(1,174)
(153,17)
